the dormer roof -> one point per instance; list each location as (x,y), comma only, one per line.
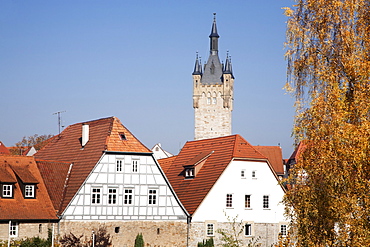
(20,170)
(105,135)
(216,153)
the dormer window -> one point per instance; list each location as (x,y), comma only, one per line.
(193,166)
(189,172)
(7,190)
(29,191)
(122,136)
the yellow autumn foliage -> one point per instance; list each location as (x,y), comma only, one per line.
(328,55)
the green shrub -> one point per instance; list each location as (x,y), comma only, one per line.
(139,241)
(206,243)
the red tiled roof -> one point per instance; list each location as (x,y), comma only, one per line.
(191,192)
(55,176)
(275,157)
(104,135)
(298,152)
(24,174)
(3,149)
(19,208)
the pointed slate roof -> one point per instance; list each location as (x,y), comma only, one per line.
(23,169)
(221,151)
(106,134)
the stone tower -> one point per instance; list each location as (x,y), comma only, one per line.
(213,90)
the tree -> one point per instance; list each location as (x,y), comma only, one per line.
(328,54)
(139,240)
(35,141)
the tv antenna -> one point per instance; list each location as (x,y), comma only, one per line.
(59,119)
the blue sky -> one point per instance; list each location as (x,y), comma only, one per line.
(133,60)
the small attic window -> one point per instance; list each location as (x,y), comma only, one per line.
(122,136)
(189,172)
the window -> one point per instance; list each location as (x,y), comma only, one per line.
(127,200)
(122,136)
(116,229)
(40,228)
(229,200)
(189,172)
(283,230)
(210,229)
(242,173)
(112,196)
(96,196)
(208,100)
(248,230)
(214,100)
(13,229)
(254,174)
(135,164)
(265,201)
(7,190)
(152,197)
(119,165)
(29,191)
(247,201)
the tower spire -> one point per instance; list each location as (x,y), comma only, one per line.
(198,66)
(214,37)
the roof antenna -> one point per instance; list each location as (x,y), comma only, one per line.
(59,119)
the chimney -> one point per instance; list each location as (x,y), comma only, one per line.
(85,134)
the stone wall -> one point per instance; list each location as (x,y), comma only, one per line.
(123,234)
(265,234)
(25,230)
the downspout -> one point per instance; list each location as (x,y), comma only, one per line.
(10,223)
(188,221)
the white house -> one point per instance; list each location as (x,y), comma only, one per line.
(114,181)
(226,178)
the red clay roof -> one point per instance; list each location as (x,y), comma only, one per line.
(19,208)
(3,149)
(275,157)
(55,176)
(104,135)
(191,192)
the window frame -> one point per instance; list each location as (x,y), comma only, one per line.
(152,197)
(128,196)
(13,229)
(112,196)
(243,174)
(247,201)
(210,229)
(135,165)
(119,165)
(189,172)
(29,194)
(283,232)
(229,200)
(9,192)
(266,202)
(254,174)
(96,196)
(248,226)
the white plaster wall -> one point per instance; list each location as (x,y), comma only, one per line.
(213,206)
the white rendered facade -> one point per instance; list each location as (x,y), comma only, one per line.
(244,180)
(125,187)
